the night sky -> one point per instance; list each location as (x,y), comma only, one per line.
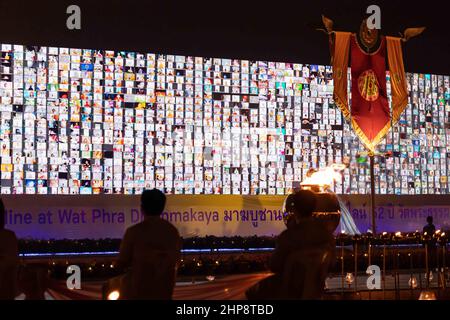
(254,30)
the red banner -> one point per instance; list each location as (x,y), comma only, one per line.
(370,107)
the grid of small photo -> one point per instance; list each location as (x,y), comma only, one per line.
(77,121)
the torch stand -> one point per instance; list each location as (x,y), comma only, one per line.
(372,192)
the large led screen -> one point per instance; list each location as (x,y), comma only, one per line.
(77,121)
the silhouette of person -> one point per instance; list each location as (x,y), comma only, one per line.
(429,228)
(152,243)
(303,233)
(9,258)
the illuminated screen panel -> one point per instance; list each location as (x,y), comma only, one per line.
(76,121)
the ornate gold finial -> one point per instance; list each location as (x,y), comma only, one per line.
(368,37)
(411,32)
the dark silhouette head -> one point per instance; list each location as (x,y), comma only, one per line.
(430,219)
(2,214)
(304,203)
(153,202)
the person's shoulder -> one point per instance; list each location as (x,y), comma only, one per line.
(154,222)
(134,228)
(287,233)
(169,226)
(8,234)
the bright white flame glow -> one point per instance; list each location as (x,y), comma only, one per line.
(326,176)
(114,295)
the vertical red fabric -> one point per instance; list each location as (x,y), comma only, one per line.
(370,107)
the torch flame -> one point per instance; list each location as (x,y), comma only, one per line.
(325,177)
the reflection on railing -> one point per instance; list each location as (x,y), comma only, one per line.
(414,262)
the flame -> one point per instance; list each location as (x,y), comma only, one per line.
(326,176)
(114,295)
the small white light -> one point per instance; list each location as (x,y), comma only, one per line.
(349,278)
(114,295)
(430,276)
(412,282)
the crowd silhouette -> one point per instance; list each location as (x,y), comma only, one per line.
(150,253)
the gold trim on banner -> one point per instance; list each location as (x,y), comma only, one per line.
(399,88)
(343,107)
(340,54)
(370,145)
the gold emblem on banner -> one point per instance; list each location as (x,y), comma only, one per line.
(396,78)
(339,73)
(368,85)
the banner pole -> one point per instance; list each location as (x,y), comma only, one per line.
(372,192)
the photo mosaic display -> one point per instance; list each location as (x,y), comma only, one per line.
(81,121)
